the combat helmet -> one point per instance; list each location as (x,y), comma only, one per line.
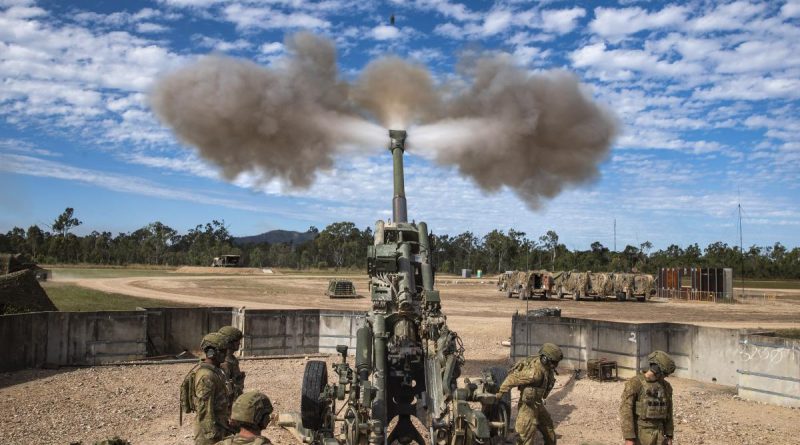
(233,334)
(551,352)
(215,341)
(663,361)
(252,408)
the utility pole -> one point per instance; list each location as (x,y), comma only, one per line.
(741,245)
(615,234)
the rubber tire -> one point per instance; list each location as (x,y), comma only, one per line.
(314,380)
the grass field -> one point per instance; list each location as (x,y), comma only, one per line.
(68,297)
(106,272)
(767,284)
(788,333)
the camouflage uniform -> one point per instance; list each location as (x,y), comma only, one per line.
(234,375)
(250,411)
(646,408)
(535,381)
(211,398)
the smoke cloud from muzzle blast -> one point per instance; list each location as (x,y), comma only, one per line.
(536,134)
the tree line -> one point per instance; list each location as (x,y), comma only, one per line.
(342,245)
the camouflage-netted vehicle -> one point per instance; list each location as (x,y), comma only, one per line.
(503,280)
(341,289)
(628,286)
(572,283)
(526,285)
(599,285)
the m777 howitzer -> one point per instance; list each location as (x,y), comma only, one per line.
(407,360)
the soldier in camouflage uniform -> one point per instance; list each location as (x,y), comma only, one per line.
(251,413)
(211,393)
(535,378)
(231,365)
(646,407)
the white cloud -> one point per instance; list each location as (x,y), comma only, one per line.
(561,21)
(221,45)
(26,147)
(752,88)
(183,164)
(272,48)
(615,23)
(385,32)
(245,17)
(496,22)
(446,8)
(148,27)
(731,16)
(190,3)
(597,55)
(791,9)
(31,166)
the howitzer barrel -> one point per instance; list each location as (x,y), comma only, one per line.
(397,146)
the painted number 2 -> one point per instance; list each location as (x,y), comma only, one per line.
(632,338)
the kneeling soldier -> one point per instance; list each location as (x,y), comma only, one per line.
(646,408)
(251,413)
(535,378)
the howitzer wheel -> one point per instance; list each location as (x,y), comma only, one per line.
(311,407)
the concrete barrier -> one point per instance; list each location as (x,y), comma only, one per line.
(769,370)
(173,330)
(53,339)
(763,368)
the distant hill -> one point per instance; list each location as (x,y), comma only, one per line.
(276,237)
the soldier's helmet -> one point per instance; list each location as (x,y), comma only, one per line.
(252,408)
(232,333)
(552,352)
(214,340)
(663,361)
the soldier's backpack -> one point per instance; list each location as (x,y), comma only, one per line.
(187,394)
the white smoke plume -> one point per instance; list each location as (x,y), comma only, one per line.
(535,134)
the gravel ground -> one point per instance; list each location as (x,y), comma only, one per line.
(141,404)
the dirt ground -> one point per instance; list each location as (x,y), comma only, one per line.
(141,402)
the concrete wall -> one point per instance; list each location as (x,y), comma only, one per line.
(88,338)
(763,368)
(173,330)
(769,370)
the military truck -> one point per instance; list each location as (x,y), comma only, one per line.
(599,285)
(407,360)
(341,289)
(572,283)
(503,279)
(628,286)
(226,261)
(527,284)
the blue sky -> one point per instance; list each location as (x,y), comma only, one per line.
(708,94)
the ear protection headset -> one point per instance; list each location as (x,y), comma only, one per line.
(211,352)
(263,418)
